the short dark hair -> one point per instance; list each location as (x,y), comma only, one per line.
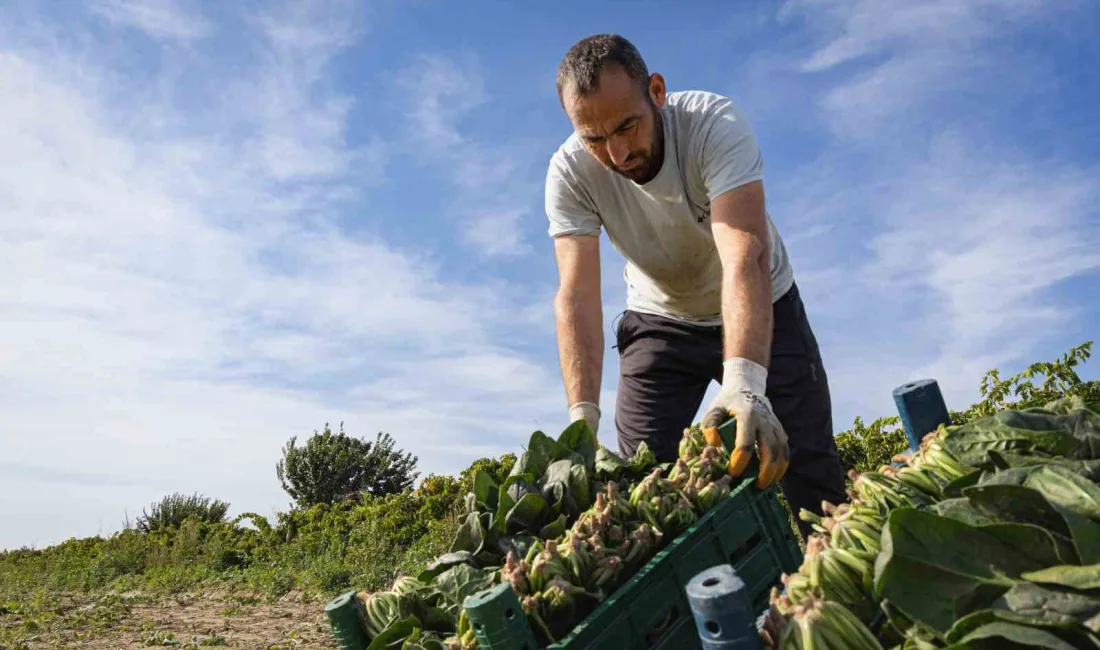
(584,62)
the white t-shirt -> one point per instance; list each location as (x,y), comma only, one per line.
(663,228)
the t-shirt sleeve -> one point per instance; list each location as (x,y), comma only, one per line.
(567,204)
(729,155)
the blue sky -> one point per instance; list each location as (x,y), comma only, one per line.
(225,224)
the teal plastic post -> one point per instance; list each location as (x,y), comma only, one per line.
(723,615)
(343,616)
(498,620)
(922,409)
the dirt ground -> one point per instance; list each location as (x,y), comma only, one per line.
(195,621)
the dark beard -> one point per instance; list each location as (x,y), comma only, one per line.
(652,167)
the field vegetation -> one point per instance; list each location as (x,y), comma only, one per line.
(362,516)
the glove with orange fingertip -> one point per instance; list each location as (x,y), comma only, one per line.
(742,398)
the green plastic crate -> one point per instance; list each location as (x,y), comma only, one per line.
(748,529)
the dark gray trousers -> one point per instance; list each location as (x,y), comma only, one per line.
(665,367)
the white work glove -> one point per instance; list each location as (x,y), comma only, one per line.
(588,412)
(742,397)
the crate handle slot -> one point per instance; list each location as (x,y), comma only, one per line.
(742,551)
(653,634)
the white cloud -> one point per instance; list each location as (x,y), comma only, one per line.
(442,92)
(161,19)
(901,54)
(928,244)
(176,302)
(946,265)
(992,237)
(497,232)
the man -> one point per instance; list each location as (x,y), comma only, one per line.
(676,181)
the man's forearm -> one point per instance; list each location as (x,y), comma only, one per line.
(747,307)
(580,345)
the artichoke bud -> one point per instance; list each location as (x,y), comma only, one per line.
(519,583)
(530,604)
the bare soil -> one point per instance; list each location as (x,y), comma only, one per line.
(191,621)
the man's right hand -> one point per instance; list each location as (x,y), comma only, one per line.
(588,412)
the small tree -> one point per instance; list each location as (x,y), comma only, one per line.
(389,471)
(335,466)
(174,509)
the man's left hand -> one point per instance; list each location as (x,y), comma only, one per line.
(742,397)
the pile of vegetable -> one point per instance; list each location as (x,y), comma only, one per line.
(568,526)
(986,537)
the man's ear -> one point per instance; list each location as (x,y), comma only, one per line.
(657,89)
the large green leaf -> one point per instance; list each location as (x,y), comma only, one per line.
(470,536)
(555,489)
(443,563)
(1016,503)
(1081,421)
(935,569)
(953,489)
(1051,605)
(438,620)
(1022,635)
(395,634)
(485,490)
(1003,431)
(460,582)
(578,438)
(527,515)
(961,509)
(514,488)
(1078,501)
(643,460)
(1065,488)
(548,447)
(1033,543)
(554,529)
(531,461)
(580,486)
(1089,469)
(1077,577)
(609,465)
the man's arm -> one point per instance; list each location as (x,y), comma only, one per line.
(579,313)
(739,224)
(740,230)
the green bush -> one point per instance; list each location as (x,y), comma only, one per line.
(174,509)
(866,448)
(333,467)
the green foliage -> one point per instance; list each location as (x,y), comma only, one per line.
(171,511)
(866,448)
(1020,391)
(333,467)
(322,547)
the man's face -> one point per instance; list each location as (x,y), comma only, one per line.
(619,124)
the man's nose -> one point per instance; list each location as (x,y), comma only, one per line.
(617,149)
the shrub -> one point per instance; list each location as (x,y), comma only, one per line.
(1060,380)
(867,448)
(171,511)
(333,467)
